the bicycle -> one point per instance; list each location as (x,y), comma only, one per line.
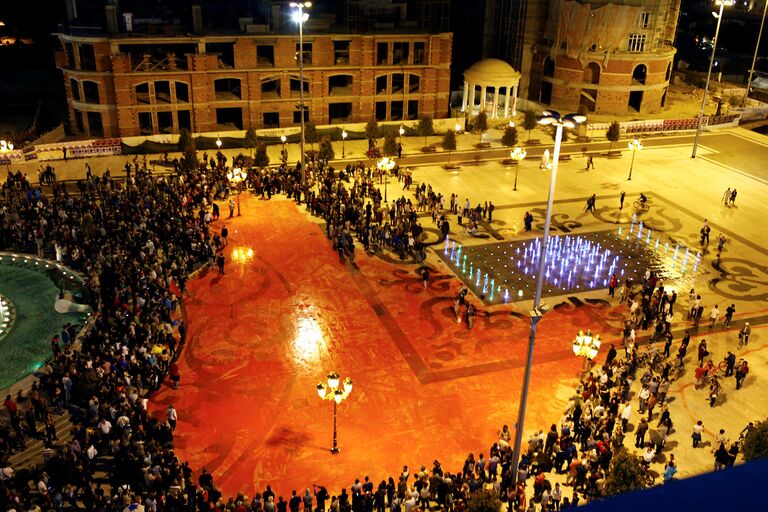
(742,340)
(641,206)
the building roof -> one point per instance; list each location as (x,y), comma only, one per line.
(491,71)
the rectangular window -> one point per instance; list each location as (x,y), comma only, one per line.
(398,82)
(95,128)
(338,112)
(400,53)
(271,119)
(419,51)
(307,53)
(341,52)
(74,86)
(381,110)
(265,55)
(413,109)
(381,84)
(165,122)
(162,95)
(87,57)
(69,49)
(270,88)
(636,43)
(297,115)
(296,87)
(644,20)
(142,93)
(382,54)
(185,119)
(182,92)
(145,123)
(396,110)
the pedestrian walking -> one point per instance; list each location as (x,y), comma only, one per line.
(590,163)
(698,430)
(612,284)
(729,311)
(425,277)
(621,199)
(733,197)
(727,196)
(528,220)
(720,243)
(714,316)
(704,232)
(741,373)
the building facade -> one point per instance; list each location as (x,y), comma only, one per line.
(605,57)
(127,82)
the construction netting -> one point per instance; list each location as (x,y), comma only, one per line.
(584,28)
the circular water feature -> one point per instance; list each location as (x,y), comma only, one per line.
(30,288)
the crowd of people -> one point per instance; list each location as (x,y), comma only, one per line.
(136,240)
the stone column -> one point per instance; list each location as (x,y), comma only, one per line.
(483,91)
(506,102)
(464,97)
(495,102)
(472,99)
(514,100)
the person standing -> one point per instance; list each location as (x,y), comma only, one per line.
(425,277)
(733,197)
(642,428)
(705,233)
(727,196)
(528,220)
(730,362)
(612,284)
(621,200)
(172,417)
(714,316)
(220,263)
(741,374)
(669,472)
(729,311)
(698,430)
(490,211)
(469,313)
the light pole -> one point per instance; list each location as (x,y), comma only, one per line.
(517,154)
(284,154)
(634,146)
(719,16)
(385,165)
(343,138)
(331,391)
(299,17)
(236,176)
(754,58)
(5,149)
(586,346)
(549,117)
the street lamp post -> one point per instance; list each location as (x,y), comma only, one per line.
(634,146)
(299,16)
(385,165)
(236,176)
(343,138)
(549,117)
(719,16)
(754,58)
(5,149)
(331,391)
(518,154)
(586,346)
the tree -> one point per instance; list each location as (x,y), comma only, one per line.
(371,130)
(325,153)
(613,134)
(756,441)
(390,144)
(530,122)
(310,134)
(449,143)
(425,128)
(251,140)
(262,158)
(484,500)
(481,122)
(626,473)
(187,147)
(509,138)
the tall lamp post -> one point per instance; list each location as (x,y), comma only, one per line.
(719,16)
(586,345)
(517,154)
(331,391)
(634,146)
(385,165)
(549,117)
(236,176)
(343,139)
(754,58)
(299,16)
(5,149)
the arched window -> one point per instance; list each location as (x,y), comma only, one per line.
(227,89)
(340,85)
(639,73)
(592,73)
(182,92)
(74,86)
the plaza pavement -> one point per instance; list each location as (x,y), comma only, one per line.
(683,191)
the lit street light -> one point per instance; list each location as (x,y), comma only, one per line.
(236,176)
(549,117)
(218,144)
(299,16)
(343,138)
(586,346)
(401,131)
(5,149)
(385,165)
(719,16)
(634,146)
(518,154)
(331,391)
